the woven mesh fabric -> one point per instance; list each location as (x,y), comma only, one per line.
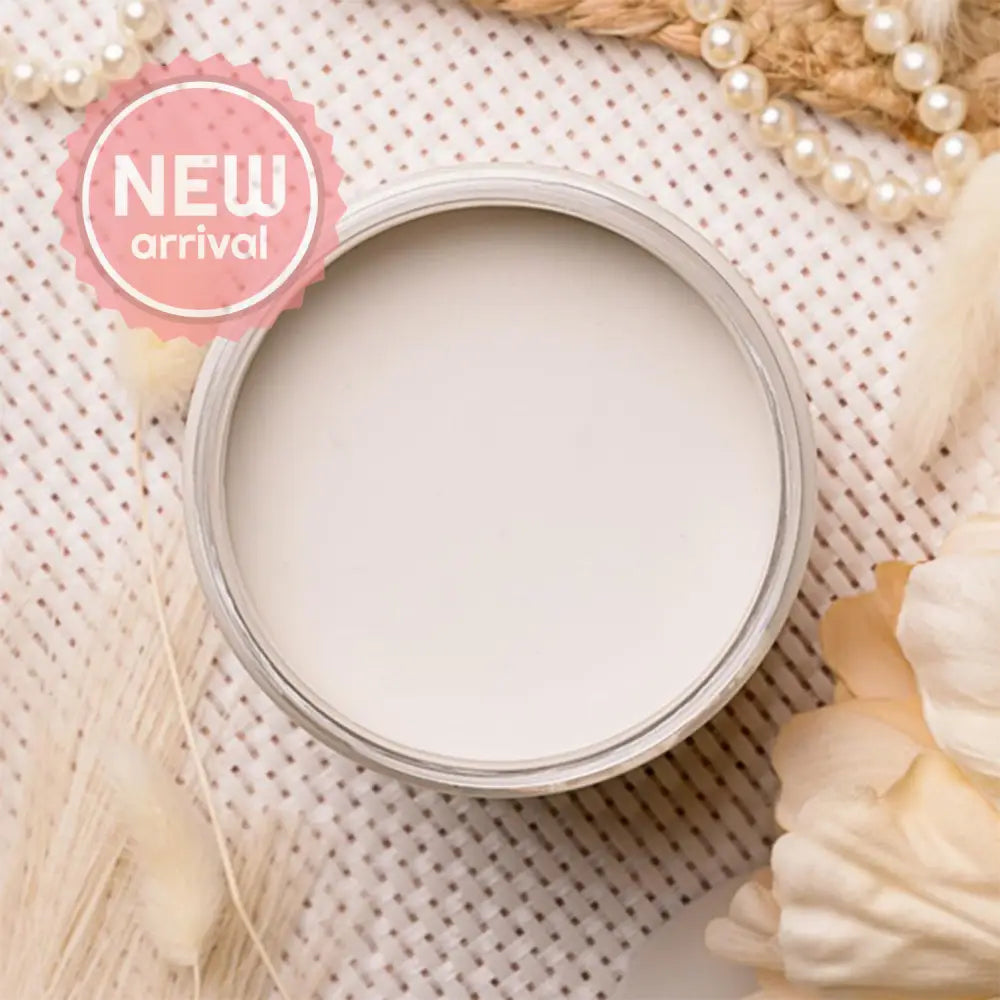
(419,894)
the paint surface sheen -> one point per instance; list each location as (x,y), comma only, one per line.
(503,489)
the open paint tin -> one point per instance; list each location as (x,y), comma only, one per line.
(521,495)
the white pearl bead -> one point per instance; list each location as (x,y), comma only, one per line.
(887,29)
(890,199)
(26,81)
(942,108)
(74,85)
(806,154)
(955,154)
(143,18)
(917,66)
(120,60)
(706,11)
(846,180)
(934,195)
(744,88)
(774,124)
(725,44)
(856,8)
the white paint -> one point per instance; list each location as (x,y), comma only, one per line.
(504,488)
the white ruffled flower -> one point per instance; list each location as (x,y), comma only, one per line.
(886,883)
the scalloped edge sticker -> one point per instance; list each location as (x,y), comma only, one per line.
(156,228)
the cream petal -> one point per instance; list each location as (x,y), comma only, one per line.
(964,734)
(978,534)
(857,635)
(899,892)
(890,587)
(856,744)
(774,986)
(747,935)
(736,943)
(754,907)
(841,692)
(950,630)
(906,716)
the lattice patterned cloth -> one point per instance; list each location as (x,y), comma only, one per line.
(431,896)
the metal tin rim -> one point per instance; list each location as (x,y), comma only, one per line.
(691,257)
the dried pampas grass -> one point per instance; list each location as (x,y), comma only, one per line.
(66,880)
(61,879)
(277,885)
(71,923)
(178,876)
(954,351)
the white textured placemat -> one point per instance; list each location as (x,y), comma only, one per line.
(431,896)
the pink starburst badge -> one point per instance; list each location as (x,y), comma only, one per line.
(200,199)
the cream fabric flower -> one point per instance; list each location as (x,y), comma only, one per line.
(950,631)
(886,883)
(875,730)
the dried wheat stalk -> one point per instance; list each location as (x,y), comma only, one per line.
(808,49)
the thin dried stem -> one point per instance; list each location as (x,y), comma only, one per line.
(186,722)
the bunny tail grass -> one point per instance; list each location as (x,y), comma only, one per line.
(954,350)
(157,374)
(178,876)
(185,716)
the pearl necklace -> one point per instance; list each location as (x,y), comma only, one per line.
(917,67)
(76,83)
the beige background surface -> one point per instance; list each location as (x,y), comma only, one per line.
(428,896)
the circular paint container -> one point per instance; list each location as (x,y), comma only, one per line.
(518,499)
